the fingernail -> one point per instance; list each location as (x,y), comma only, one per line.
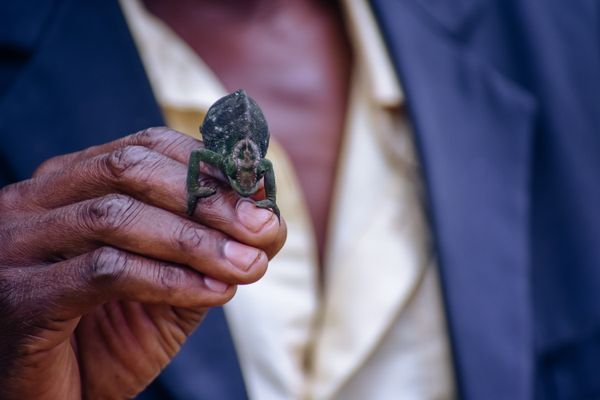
(240,255)
(253,218)
(215,285)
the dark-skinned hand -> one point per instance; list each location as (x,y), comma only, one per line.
(102,275)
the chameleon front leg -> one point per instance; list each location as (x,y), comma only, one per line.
(266,168)
(195,191)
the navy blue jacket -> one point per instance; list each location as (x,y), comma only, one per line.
(504,96)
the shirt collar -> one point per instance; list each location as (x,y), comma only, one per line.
(370,48)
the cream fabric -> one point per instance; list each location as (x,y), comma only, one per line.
(378,331)
(381,333)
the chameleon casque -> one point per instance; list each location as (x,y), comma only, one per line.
(236,138)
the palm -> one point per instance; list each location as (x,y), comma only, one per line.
(127,344)
(113,352)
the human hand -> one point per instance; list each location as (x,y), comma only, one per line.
(102,277)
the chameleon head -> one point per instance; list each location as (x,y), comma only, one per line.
(245,158)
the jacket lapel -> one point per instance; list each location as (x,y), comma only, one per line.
(473,129)
(83,85)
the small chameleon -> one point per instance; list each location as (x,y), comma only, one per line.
(236,138)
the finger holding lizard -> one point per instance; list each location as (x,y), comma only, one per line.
(148,176)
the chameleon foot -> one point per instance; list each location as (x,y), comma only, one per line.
(269,205)
(195,194)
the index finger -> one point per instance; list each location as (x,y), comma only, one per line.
(168,142)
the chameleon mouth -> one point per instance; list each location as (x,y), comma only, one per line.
(246,182)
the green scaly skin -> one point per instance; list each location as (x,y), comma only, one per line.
(196,192)
(236,138)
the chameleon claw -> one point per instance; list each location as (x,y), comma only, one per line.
(268,204)
(191,204)
(204,191)
(195,194)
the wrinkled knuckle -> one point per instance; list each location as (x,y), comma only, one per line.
(144,137)
(150,137)
(121,162)
(110,212)
(169,277)
(108,265)
(188,238)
